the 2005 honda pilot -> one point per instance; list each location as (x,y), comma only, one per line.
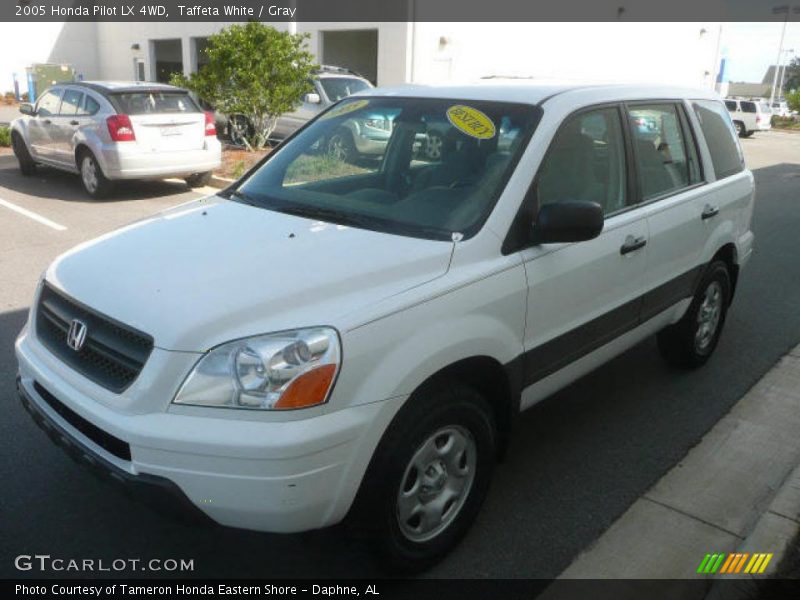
(331,339)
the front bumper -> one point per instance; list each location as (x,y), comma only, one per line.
(279,476)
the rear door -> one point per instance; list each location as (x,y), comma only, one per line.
(675,200)
(583,295)
(65,125)
(163,121)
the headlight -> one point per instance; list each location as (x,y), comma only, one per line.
(277,371)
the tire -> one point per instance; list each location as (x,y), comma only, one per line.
(96,184)
(390,509)
(26,164)
(748,134)
(740,129)
(237,135)
(342,147)
(198,179)
(690,342)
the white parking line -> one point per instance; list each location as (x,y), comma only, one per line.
(32,215)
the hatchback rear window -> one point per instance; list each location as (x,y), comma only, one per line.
(145,103)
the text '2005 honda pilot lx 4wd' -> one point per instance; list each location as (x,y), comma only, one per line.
(330,339)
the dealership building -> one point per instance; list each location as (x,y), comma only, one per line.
(404,52)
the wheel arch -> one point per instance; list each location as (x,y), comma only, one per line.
(729,255)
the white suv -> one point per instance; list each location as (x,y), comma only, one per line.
(330,339)
(749,116)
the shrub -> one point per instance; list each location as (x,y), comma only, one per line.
(5,137)
(793,100)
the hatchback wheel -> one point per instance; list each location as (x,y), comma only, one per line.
(740,129)
(198,179)
(428,477)
(26,164)
(691,341)
(94,180)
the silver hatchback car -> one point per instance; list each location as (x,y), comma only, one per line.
(108,131)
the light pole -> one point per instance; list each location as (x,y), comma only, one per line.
(779,10)
(782,78)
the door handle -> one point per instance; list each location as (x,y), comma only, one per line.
(709,211)
(632,244)
(74,122)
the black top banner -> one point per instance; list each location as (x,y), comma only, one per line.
(398,10)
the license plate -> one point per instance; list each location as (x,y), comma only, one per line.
(169,131)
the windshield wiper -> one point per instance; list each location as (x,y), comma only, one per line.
(243,197)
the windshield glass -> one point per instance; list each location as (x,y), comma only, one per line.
(420,167)
(144,103)
(337,88)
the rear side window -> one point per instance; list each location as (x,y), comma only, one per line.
(749,107)
(730,104)
(146,103)
(660,147)
(90,106)
(717,127)
(70,102)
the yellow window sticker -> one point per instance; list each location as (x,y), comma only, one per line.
(343,109)
(471,121)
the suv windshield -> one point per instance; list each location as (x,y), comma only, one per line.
(337,88)
(414,166)
(152,102)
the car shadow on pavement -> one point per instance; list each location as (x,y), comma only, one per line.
(60,185)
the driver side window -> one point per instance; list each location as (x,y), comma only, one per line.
(586,162)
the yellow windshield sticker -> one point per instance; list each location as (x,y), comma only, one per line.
(343,109)
(471,121)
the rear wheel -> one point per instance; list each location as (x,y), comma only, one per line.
(26,164)
(428,477)
(691,341)
(96,184)
(198,179)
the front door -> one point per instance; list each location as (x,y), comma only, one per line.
(583,295)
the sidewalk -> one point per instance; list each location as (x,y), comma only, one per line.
(737,491)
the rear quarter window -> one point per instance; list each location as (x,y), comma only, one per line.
(749,107)
(153,102)
(720,136)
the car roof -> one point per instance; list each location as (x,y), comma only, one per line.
(534,91)
(110,87)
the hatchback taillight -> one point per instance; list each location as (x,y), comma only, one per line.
(211,125)
(120,128)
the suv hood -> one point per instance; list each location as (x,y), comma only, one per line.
(215,270)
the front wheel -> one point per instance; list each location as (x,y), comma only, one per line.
(691,341)
(428,477)
(96,184)
(342,147)
(26,164)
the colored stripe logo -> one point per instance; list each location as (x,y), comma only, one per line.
(737,562)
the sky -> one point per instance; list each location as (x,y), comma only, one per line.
(751,47)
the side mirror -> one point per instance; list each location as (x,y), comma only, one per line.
(313,98)
(26,108)
(568,222)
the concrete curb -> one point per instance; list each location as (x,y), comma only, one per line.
(738,490)
(220,182)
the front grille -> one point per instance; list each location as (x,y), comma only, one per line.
(113,354)
(103,439)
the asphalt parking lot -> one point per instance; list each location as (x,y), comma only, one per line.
(577,460)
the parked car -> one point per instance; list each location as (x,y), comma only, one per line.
(110,131)
(330,84)
(361,347)
(749,116)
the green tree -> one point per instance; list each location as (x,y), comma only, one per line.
(792,81)
(256,71)
(793,100)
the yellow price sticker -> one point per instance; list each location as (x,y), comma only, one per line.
(471,121)
(343,109)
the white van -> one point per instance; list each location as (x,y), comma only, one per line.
(330,340)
